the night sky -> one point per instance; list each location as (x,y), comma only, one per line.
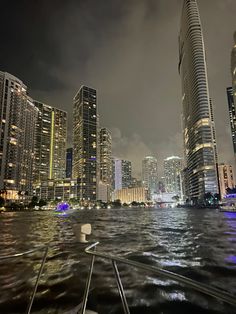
(128,51)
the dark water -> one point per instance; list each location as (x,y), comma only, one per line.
(200,244)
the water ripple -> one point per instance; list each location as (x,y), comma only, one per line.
(199,244)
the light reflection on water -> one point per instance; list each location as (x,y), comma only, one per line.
(195,243)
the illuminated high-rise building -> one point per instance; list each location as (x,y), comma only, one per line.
(149,174)
(50,143)
(122,172)
(232,115)
(105,148)
(172,173)
(17,123)
(105,156)
(226,177)
(85,143)
(199,146)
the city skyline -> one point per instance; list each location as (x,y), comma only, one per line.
(134,132)
(118,152)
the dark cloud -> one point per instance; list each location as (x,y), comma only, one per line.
(28,48)
(128,50)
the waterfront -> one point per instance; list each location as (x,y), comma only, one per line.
(200,244)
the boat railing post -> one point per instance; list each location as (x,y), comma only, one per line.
(120,288)
(37,281)
(87,286)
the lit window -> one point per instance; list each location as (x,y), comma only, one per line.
(13,141)
(10,181)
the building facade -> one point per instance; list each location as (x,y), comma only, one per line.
(104,193)
(226,177)
(17,123)
(232,115)
(150,174)
(69,162)
(172,172)
(129,195)
(50,143)
(122,173)
(85,143)
(199,147)
(105,149)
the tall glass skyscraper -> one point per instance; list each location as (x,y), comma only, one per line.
(105,147)
(85,143)
(105,156)
(122,173)
(232,115)
(199,147)
(50,143)
(149,174)
(172,172)
(18,119)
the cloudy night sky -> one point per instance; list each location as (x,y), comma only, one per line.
(128,51)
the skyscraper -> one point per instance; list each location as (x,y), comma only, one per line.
(199,148)
(149,174)
(122,172)
(105,156)
(172,173)
(18,119)
(85,142)
(105,147)
(69,162)
(50,143)
(232,115)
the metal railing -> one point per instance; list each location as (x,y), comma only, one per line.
(43,248)
(203,288)
(91,250)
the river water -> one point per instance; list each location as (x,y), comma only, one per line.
(200,244)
